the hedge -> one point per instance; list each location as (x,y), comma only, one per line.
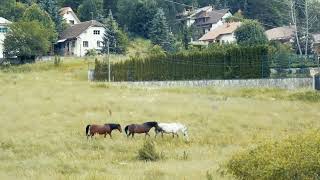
(231,63)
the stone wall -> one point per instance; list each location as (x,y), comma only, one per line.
(284,83)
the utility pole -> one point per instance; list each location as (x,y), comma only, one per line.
(294,21)
(109,71)
(307,27)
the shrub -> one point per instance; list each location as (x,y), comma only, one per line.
(91,52)
(57,61)
(148,152)
(297,157)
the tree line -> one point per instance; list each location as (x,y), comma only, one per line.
(154,19)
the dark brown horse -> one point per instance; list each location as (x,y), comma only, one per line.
(140,128)
(105,129)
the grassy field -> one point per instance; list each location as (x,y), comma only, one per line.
(44,111)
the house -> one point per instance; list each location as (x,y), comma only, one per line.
(188,15)
(3,30)
(206,18)
(283,34)
(208,21)
(221,34)
(79,38)
(316,43)
(69,16)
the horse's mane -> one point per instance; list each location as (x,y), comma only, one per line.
(113,126)
(151,124)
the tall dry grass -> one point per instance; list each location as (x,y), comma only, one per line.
(43,113)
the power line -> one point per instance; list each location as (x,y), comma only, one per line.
(179,3)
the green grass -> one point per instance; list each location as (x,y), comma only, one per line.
(44,111)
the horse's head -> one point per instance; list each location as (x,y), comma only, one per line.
(119,128)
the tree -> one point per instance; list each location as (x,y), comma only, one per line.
(26,40)
(110,5)
(51,7)
(11,10)
(74,4)
(114,37)
(251,33)
(159,32)
(35,13)
(90,10)
(142,15)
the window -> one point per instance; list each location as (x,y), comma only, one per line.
(73,44)
(3,30)
(96,32)
(71,21)
(99,43)
(85,44)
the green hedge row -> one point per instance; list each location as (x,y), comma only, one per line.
(230,63)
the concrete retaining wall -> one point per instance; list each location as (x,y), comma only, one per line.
(285,83)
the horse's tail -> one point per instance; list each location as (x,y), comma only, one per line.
(126,129)
(88,130)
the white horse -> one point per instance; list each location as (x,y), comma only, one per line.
(172,128)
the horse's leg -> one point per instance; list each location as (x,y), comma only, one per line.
(110,135)
(173,135)
(132,135)
(105,135)
(177,135)
(162,134)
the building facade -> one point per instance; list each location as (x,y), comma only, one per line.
(4,23)
(79,38)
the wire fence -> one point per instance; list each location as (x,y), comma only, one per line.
(174,68)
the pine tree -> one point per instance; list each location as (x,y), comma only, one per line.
(159,32)
(90,9)
(110,5)
(51,7)
(113,36)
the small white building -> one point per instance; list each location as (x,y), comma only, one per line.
(69,16)
(79,38)
(221,34)
(4,23)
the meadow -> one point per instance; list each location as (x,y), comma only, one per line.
(44,110)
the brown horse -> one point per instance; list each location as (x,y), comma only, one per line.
(140,128)
(105,129)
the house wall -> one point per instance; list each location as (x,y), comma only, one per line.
(79,49)
(190,22)
(227,38)
(70,17)
(2,37)
(219,23)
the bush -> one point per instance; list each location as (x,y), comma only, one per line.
(297,157)
(57,61)
(91,52)
(148,152)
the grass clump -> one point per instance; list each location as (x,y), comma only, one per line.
(148,152)
(297,157)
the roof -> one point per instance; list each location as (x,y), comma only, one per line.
(4,21)
(213,16)
(192,13)
(227,28)
(64,10)
(77,29)
(316,38)
(280,33)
